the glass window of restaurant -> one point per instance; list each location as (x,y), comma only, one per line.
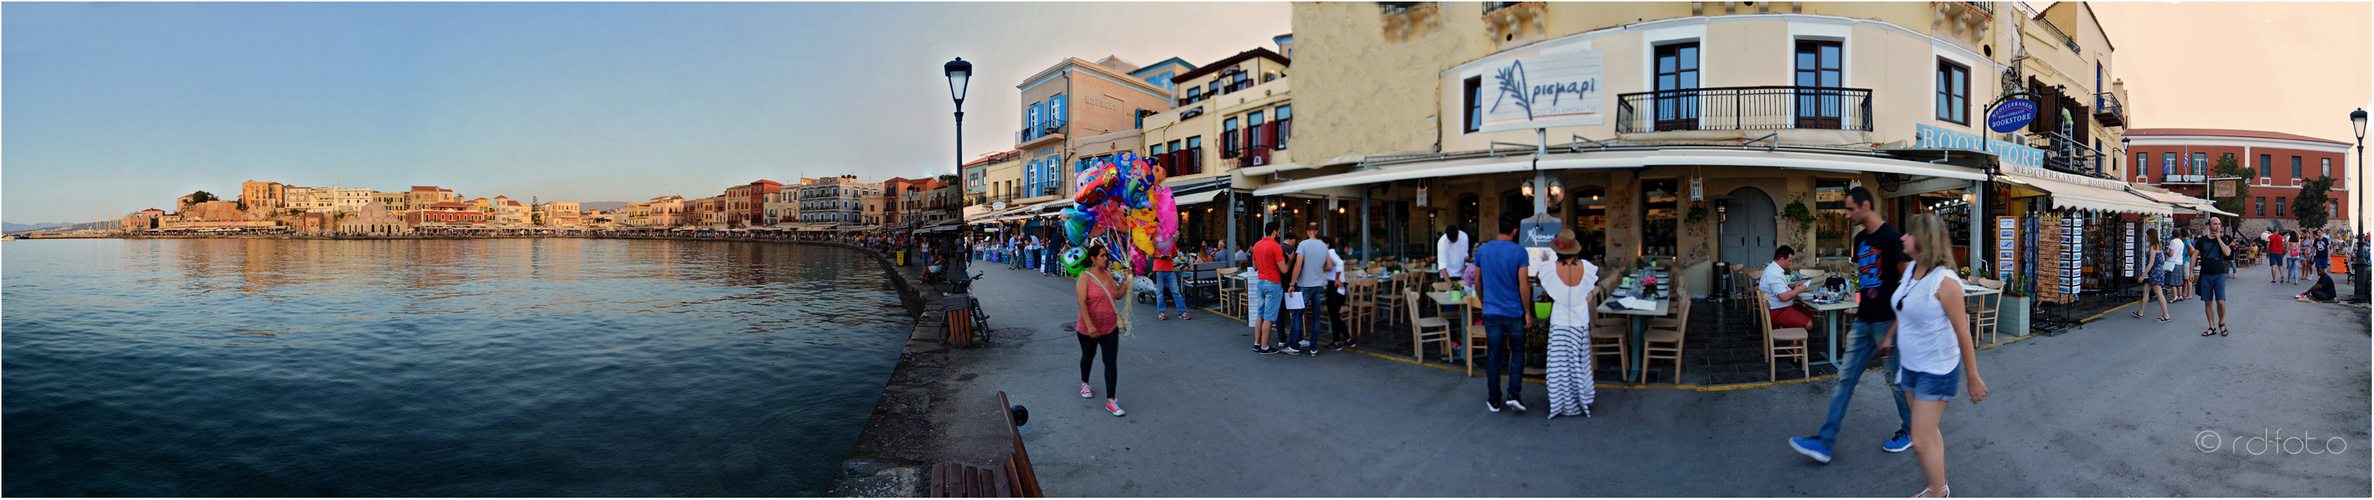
(1590,222)
(1659,218)
(1833,234)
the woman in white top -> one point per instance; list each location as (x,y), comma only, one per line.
(1568,282)
(1937,352)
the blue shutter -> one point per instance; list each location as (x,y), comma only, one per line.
(1055,115)
(1031,122)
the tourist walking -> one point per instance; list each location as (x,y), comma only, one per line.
(2274,257)
(1269,292)
(1098,328)
(2155,279)
(1879,267)
(1166,284)
(1508,307)
(1336,295)
(2299,257)
(1782,304)
(1312,272)
(1568,281)
(1295,306)
(2180,264)
(1939,354)
(2212,250)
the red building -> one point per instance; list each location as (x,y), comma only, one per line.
(450,213)
(746,205)
(2179,159)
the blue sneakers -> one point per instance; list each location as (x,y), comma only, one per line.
(1902,441)
(1811,448)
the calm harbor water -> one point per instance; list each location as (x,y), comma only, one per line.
(516,368)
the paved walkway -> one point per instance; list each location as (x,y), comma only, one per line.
(2109,410)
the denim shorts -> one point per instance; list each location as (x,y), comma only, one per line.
(2213,288)
(1268,298)
(2275,260)
(1930,386)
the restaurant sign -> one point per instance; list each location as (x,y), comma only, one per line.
(1543,90)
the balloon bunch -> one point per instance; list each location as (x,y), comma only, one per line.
(1122,200)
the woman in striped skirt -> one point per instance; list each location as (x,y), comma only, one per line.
(1568,281)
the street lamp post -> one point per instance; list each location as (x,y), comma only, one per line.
(959,72)
(2357,122)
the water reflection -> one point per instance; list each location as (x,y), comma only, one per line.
(521,367)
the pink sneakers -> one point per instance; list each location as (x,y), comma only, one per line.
(1115,407)
(1085,392)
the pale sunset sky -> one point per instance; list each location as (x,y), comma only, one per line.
(127,106)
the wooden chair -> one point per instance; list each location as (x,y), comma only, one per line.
(1476,344)
(1681,293)
(1611,334)
(1360,306)
(1666,343)
(1984,317)
(1781,342)
(1232,298)
(1424,330)
(1389,292)
(1739,282)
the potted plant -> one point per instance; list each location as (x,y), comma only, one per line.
(1697,214)
(2012,312)
(1796,211)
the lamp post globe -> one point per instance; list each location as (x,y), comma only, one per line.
(960,73)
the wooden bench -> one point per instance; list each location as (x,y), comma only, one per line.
(1011,479)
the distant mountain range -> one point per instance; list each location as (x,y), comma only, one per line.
(601,205)
(14,227)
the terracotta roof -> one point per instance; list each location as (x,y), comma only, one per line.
(2221,132)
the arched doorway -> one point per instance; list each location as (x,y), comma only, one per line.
(1746,234)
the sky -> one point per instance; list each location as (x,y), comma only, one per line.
(127,106)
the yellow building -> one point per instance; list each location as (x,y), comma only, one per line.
(1690,132)
(1229,132)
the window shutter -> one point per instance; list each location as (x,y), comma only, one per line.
(1055,115)
(1031,122)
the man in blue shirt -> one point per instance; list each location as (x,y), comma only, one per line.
(1507,297)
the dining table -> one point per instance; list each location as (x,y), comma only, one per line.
(1640,329)
(1830,310)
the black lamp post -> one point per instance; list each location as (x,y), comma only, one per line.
(958,74)
(2357,122)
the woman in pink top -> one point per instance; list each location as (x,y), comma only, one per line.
(1097,327)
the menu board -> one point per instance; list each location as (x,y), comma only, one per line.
(2007,249)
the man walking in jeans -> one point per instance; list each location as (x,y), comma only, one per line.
(1879,267)
(1507,297)
(1311,272)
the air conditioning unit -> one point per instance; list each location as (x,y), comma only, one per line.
(1255,157)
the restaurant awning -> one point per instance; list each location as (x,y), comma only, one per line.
(2079,196)
(1628,159)
(2183,204)
(1185,200)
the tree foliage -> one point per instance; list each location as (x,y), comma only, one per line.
(202,197)
(2309,206)
(2229,167)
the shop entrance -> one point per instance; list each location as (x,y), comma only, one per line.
(1747,228)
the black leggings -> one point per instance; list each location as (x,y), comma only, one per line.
(1112,344)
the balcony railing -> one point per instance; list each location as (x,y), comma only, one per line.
(1045,129)
(2069,155)
(1745,108)
(2109,111)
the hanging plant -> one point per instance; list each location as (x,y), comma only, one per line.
(1697,214)
(1796,211)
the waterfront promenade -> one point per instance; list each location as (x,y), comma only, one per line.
(2113,409)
